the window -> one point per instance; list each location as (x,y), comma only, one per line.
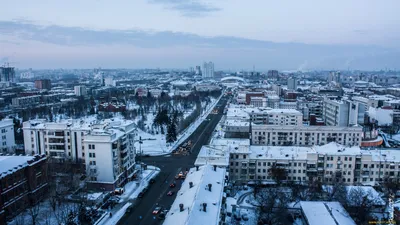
(259,163)
(259,170)
(236,156)
(264,170)
(269,164)
(231,163)
(264,164)
(349,158)
(244,156)
(295,164)
(237,163)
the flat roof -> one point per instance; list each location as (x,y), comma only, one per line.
(328,213)
(193,198)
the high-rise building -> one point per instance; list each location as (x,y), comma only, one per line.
(208,70)
(7,74)
(80,90)
(43,84)
(198,70)
(292,83)
(334,77)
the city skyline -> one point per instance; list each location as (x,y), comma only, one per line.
(179,34)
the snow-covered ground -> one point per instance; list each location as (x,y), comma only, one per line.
(156,144)
(115,217)
(46,214)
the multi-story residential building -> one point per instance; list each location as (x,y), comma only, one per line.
(328,163)
(287,105)
(258,101)
(23,183)
(284,117)
(292,83)
(110,159)
(7,74)
(7,135)
(25,101)
(208,70)
(336,113)
(76,140)
(80,90)
(304,135)
(43,84)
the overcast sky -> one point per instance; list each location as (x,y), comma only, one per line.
(235,34)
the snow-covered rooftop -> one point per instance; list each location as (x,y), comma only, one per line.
(327,213)
(10,164)
(193,198)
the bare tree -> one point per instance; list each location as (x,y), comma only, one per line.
(360,205)
(20,219)
(277,173)
(33,213)
(272,206)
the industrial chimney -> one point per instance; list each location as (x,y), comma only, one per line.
(190,184)
(215,168)
(209,187)
(197,168)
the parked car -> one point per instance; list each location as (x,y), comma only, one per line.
(157,210)
(141,194)
(170,193)
(152,181)
(130,208)
(119,191)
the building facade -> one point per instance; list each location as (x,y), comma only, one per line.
(7,135)
(208,70)
(23,183)
(76,140)
(278,135)
(43,84)
(80,90)
(336,113)
(329,163)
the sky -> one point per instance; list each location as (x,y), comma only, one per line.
(234,34)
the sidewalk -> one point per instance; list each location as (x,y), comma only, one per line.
(132,189)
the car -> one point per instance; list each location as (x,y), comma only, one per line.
(119,191)
(152,181)
(156,210)
(140,195)
(170,193)
(172,185)
(130,208)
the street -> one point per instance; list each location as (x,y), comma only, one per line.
(170,165)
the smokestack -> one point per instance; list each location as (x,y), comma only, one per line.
(197,168)
(205,207)
(181,207)
(190,184)
(215,168)
(209,187)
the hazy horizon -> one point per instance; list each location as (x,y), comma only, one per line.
(234,35)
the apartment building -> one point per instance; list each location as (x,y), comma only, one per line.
(87,141)
(110,157)
(7,135)
(336,112)
(278,135)
(328,163)
(23,182)
(25,101)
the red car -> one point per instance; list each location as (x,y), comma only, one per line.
(170,193)
(157,210)
(172,185)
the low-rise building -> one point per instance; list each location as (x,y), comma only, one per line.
(25,101)
(23,183)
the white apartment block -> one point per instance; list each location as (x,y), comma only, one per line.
(336,113)
(328,163)
(288,105)
(7,143)
(277,135)
(258,101)
(80,90)
(70,140)
(208,70)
